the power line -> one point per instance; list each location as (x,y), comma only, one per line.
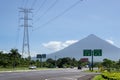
(22,4)
(26,4)
(41,6)
(33,4)
(17,37)
(56,17)
(53,4)
(18,29)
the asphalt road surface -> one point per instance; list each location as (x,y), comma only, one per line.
(61,74)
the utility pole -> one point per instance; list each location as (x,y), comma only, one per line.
(55,61)
(25,18)
(92,54)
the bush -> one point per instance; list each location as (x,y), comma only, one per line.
(98,77)
(111,76)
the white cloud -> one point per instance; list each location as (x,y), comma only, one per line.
(53,45)
(4,51)
(69,42)
(58,45)
(110,41)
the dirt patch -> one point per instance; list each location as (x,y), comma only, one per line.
(87,77)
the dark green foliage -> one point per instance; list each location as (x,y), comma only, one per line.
(14,59)
(107,63)
(50,63)
(111,75)
(66,62)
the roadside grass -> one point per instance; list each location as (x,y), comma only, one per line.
(23,69)
(108,76)
(97,77)
(13,69)
(91,71)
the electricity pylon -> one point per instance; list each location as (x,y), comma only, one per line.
(25,18)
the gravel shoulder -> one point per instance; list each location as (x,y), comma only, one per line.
(87,77)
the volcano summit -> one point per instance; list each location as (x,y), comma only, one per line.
(90,42)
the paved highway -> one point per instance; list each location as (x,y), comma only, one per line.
(61,74)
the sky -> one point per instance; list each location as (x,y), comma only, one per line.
(58,23)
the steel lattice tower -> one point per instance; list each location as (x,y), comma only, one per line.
(25,18)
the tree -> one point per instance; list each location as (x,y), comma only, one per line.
(64,62)
(74,62)
(107,63)
(15,57)
(1,58)
(117,64)
(50,62)
(5,60)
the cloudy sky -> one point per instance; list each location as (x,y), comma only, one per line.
(58,23)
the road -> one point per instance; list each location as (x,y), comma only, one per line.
(60,74)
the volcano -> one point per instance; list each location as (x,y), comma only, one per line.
(92,42)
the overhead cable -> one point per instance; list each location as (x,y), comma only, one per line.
(54,3)
(56,17)
(26,4)
(33,4)
(22,3)
(40,7)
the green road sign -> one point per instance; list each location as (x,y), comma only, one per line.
(39,56)
(43,55)
(87,52)
(97,52)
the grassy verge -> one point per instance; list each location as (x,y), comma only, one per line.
(91,71)
(12,69)
(23,69)
(108,76)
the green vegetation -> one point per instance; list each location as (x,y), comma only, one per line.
(14,61)
(111,75)
(95,71)
(99,77)
(110,70)
(108,76)
(23,69)
(13,69)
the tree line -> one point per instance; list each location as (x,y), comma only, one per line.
(14,59)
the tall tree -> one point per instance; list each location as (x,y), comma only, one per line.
(50,62)
(15,57)
(107,63)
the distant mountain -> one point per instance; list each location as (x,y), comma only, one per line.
(90,42)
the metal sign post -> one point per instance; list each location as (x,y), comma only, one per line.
(92,60)
(89,52)
(41,56)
